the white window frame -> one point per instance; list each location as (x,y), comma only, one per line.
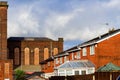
(84,51)
(61,72)
(48,63)
(61,60)
(78,55)
(65,58)
(92,49)
(72,56)
(69,72)
(56,60)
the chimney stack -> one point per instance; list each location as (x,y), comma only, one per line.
(3,29)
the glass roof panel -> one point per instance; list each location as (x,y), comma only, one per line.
(77,64)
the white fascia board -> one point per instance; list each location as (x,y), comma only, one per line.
(87,44)
(74,50)
(60,55)
(109,36)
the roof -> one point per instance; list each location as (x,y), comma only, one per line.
(29,39)
(47,60)
(100,38)
(29,68)
(108,67)
(66,52)
(34,75)
(76,64)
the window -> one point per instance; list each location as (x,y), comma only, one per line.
(83,72)
(68,72)
(7,67)
(76,72)
(27,56)
(84,52)
(72,56)
(90,71)
(36,56)
(46,53)
(48,63)
(16,56)
(92,50)
(56,60)
(78,55)
(61,60)
(65,59)
(61,73)
(55,51)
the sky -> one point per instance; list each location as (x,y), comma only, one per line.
(75,20)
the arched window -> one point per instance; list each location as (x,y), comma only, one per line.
(55,51)
(27,56)
(46,53)
(36,56)
(16,56)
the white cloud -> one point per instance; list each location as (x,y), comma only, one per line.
(112,3)
(78,23)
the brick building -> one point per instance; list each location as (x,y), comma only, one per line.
(28,52)
(100,51)
(5,63)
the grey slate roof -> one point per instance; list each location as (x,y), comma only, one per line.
(94,40)
(29,38)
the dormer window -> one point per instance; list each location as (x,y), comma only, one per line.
(84,52)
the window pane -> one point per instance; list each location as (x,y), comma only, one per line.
(76,72)
(92,50)
(84,52)
(83,72)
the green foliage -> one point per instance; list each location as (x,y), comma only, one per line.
(19,75)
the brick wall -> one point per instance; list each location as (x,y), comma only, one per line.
(32,45)
(3,30)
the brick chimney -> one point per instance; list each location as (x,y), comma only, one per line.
(3,29)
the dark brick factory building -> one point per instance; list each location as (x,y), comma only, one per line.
(28,52)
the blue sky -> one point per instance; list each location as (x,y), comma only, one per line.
(74,20)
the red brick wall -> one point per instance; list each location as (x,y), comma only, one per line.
(109,51)
(105,51)
(6,73)
(3,30)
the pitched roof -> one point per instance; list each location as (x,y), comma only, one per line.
(108,67)
(29,39)
(66,52)
(76,64)
(47,60)
(100,38)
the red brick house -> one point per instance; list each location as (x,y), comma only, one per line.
(100,51)
(103,49)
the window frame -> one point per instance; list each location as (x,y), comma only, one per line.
(92,49)
(84,51)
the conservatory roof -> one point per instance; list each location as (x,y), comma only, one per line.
(76,64)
